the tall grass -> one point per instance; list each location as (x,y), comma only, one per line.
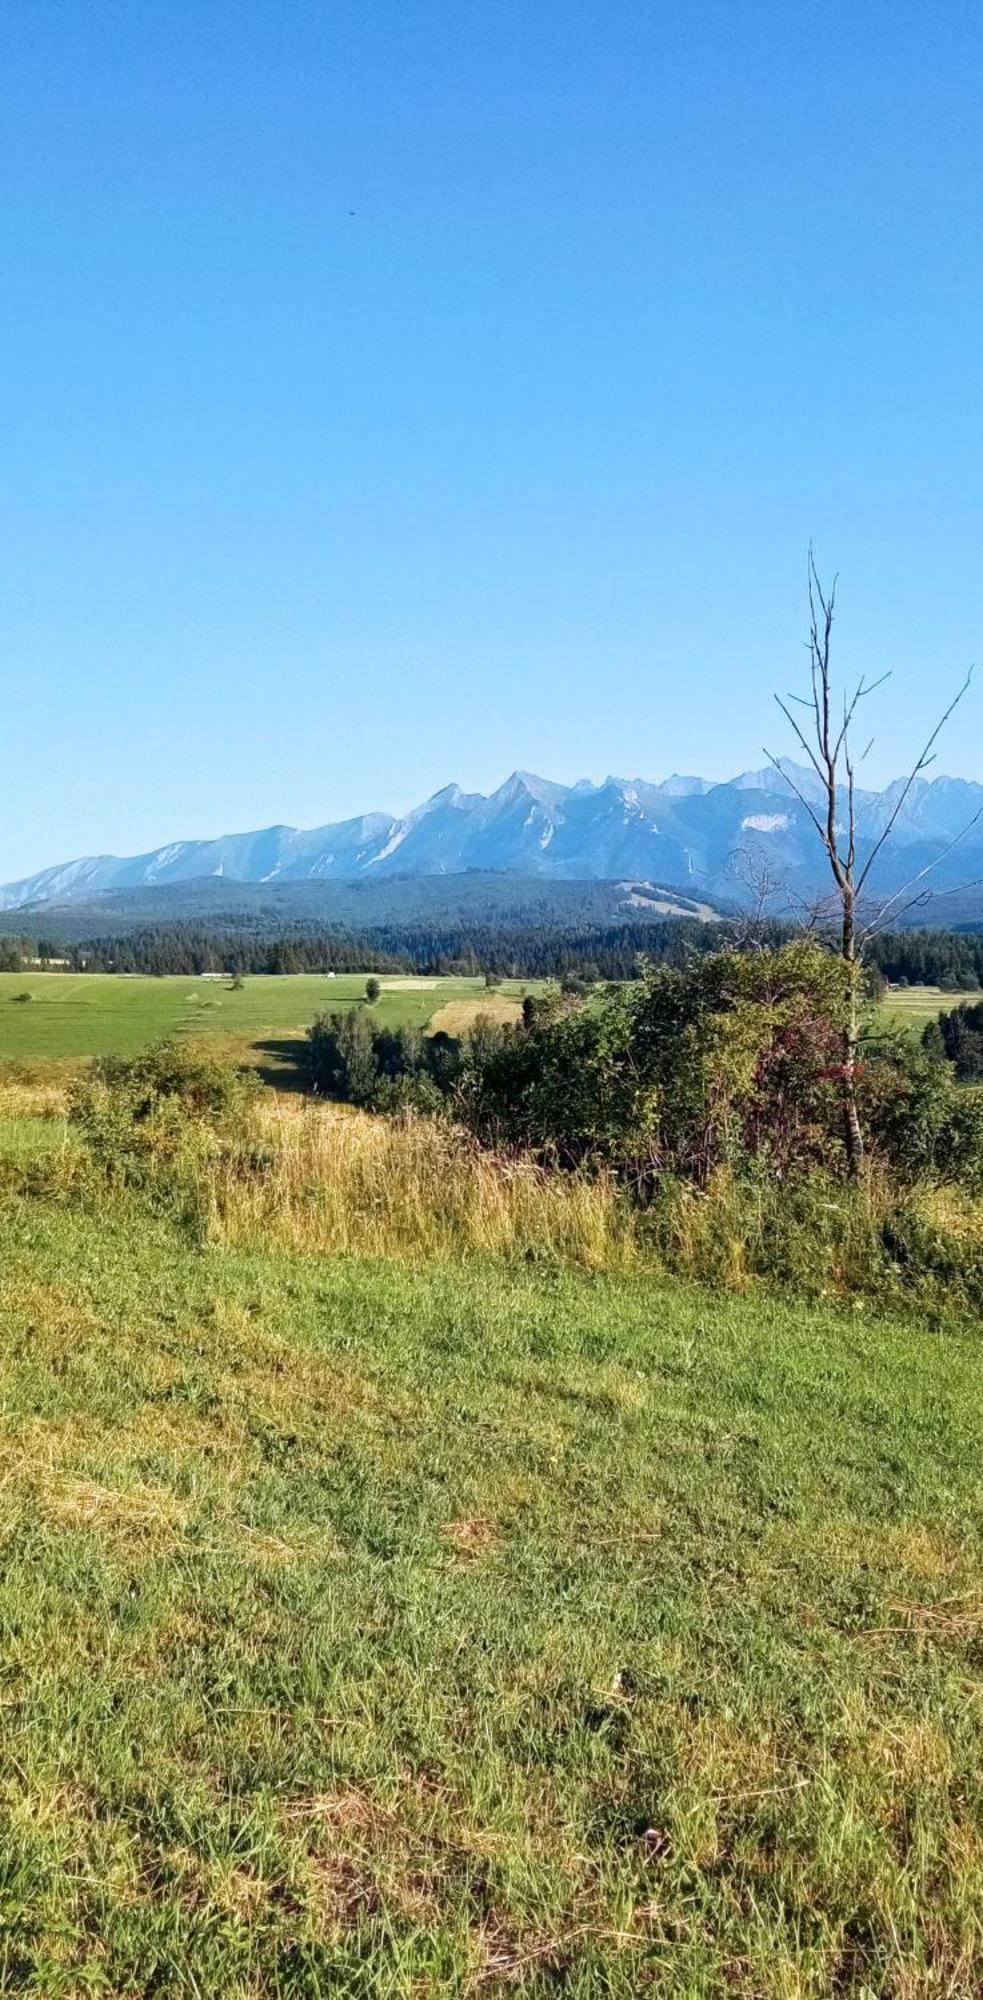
(23,1095)
(345,1182)
(824,1238)
(323,1180)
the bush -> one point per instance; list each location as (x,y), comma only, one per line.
(710,1100)
(373,989)
(340,1056)
(960,1148)
(737,1058)
(907,1096)
(736,1054)
(350,1059)
(162,1121)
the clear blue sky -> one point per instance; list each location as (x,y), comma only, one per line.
(408,390)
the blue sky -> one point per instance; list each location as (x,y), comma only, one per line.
(398,393)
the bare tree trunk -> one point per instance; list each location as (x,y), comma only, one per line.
(829,750)
(853,1137)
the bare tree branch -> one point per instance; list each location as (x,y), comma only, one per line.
(831,757)
(922,763)
(870,930)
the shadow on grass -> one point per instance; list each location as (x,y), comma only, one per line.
(284,1065)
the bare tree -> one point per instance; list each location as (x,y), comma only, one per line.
(755,920)
(827,741)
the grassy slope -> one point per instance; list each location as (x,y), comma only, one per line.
(375,1631)
(73,1016)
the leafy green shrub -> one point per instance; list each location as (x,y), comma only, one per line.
(734,1061)
(737,1054)
(340,1056)
(161,1122)
(906,1098)
(923,1123)
(960,1149)
(414,1091)
(349,1058)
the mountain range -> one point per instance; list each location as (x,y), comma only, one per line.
(706,840)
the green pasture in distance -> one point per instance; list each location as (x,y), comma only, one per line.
(914,1006)
(73,1016)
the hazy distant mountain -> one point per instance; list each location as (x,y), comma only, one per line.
(705,839)
(369,905)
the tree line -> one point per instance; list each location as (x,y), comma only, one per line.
(952,960)
(532,951)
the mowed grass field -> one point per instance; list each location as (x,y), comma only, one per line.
(454,1624)
(71,1017)
(74,1016)
(370,1630)
(914,1006)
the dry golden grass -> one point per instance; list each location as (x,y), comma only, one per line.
(34,1097)
(346,1183)
(136,1509)
(408,985)
(457,1017)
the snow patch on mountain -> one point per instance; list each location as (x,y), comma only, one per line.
(395,840)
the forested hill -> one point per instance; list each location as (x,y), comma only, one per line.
(438,900)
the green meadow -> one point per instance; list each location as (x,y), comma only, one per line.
(378,1629)
(406,1591)
(914,1006)
(72,1016)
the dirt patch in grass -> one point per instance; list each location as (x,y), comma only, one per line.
(502,1960)
(363,1858)
(472,1538)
